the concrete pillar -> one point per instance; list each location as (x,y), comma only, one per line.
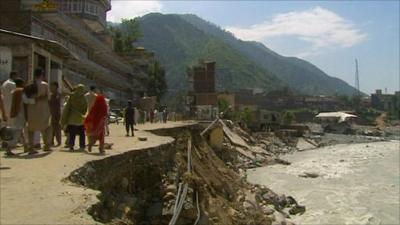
(31,63)
(60,78)
(48,68)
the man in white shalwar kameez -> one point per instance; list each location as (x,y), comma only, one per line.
(7,89)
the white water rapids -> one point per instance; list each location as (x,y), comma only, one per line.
(357,183)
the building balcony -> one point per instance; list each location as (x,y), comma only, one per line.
(100,51)
(100,73)
(92,12)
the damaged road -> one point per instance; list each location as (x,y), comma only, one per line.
(156,182)
(184,182)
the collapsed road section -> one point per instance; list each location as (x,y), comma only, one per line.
(183,182)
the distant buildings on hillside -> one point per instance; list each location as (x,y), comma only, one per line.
(202,99)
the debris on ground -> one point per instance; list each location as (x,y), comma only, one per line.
(142,138)
(179,183)
(309,175)
(201,184)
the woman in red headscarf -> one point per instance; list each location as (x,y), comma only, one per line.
(95,123)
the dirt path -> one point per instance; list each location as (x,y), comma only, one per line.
(31,190)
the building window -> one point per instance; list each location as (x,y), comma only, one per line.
(75,7)
(36,29)
(91,8)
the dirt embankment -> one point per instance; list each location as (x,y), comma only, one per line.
(155,186)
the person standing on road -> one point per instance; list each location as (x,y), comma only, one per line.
(143,116)
(66,134)
(6,89)
(55,110)
(4,117)
(39,112)
(91,97)
(129,116)
(152,114)
(108,114)
(160,115)
(95,123)
(165,115)
(17,116)
(137,115)
(73,117)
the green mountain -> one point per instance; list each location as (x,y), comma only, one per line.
(181,40)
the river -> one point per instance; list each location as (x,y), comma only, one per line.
(357,183)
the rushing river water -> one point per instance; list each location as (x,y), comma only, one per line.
(357,183)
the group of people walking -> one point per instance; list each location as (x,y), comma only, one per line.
(36,109)
(153,116)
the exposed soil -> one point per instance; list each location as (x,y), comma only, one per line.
(32,190)
(140,187)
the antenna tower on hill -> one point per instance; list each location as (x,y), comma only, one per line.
(357,79)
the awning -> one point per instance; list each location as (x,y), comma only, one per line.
(9,38)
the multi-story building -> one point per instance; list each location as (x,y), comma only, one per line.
(202,77)
(76,26)
(202,98)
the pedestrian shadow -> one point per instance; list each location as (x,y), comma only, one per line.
(74,151)
(5,167)
(95,153)
(23,155)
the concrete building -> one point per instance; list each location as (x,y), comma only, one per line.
(202,77)
(76,46)
(228,98)
(386,102)
(202,99)
(283,100)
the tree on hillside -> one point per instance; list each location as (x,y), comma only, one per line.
(156,83)
(287,118)
(124,34)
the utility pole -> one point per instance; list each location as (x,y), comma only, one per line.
(357,79)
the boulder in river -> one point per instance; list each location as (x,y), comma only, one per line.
(267,210)
(297,209)
(282,201)
(281,161)
(291,200)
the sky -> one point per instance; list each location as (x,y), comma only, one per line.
(329,34)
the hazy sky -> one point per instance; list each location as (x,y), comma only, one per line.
(329,34)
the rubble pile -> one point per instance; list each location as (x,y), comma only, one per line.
(259,149)
(278,208)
